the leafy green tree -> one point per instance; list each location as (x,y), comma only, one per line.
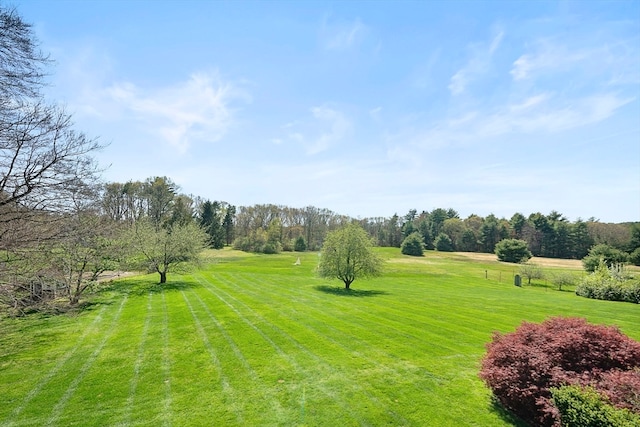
(491,233)
(413,245)
(512,250)
(606,253)
(300,245)
(580,239)
(162,250)
(443,243)
(517,223)
(347,255)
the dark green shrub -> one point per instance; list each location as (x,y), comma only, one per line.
(300,245)
(512,250)
(585,407)
(413,245)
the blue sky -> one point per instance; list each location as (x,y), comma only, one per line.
(364,108)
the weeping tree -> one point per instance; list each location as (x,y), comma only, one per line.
(347,255)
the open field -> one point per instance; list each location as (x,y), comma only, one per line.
(256,340)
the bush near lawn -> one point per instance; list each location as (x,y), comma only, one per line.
(585,407)
(611,284)
(522,367)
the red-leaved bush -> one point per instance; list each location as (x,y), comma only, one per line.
(522,366)
(622,388)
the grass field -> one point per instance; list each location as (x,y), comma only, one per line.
(255,340)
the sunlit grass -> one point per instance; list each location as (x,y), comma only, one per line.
(257,340)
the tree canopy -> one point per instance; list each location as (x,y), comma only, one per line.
(347,255)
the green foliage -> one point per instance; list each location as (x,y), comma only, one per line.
(413,244)
(531,271)
(606,253)
(300,245)
(634,257)
(585,407)
(512,250)
(609,283)
(562,278)
(162,250)
(347,255)
(443,243)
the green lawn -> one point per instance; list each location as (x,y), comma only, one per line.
(256,340)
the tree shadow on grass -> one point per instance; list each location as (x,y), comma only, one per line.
(145,286)
(340,291)
(507,416)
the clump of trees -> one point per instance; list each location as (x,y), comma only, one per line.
(347,255)
(524,367)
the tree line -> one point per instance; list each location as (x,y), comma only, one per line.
(551,235)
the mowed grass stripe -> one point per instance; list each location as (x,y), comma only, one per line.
(348,317)
(166,365)
(332,345)
(133,385)
(393,353)
(42,382)
(102,397)
(407,355)
(60,405)
(275,374)
(229,400)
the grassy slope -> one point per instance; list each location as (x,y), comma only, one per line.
(255,340)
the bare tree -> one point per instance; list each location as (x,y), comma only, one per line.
(43,160)
(46,166)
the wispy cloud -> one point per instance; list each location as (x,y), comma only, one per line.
(342,35)
(478,64)
(617,60)
(326,128)
(542,113)
(198,109)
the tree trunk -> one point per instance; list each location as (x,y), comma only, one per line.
(347,284)
(163,276)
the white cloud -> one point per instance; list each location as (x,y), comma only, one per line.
(198,109)
(478,64)
(548,56)
(545,112)
(335,127)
